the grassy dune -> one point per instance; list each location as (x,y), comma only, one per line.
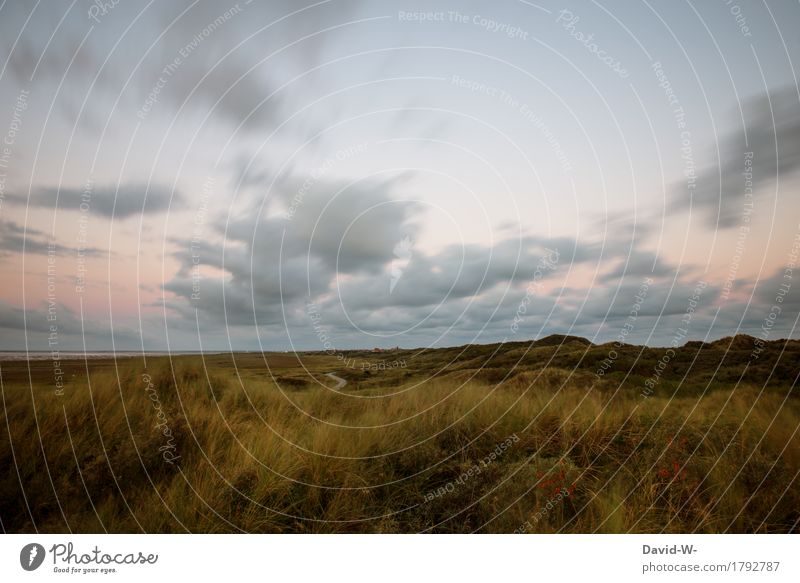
(524,438)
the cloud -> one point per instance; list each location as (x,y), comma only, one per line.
(121,202)
(777,290)
(14,238)
(14,319)
(35,325)
(772,133)
(336,246)
(333,229)
(201,46)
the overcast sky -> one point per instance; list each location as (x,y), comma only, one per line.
(282,175)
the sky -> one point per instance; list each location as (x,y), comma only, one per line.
(339,174)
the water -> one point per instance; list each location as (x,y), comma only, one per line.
(17,355)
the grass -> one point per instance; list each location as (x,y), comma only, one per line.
(261,444)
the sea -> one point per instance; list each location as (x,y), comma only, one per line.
(16,355)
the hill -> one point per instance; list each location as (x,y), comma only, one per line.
(550,435)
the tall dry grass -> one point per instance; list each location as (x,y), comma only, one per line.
(257,457)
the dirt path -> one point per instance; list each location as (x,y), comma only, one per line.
(341,382)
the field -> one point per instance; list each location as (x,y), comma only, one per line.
(556,435)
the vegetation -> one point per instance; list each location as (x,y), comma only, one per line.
(520,437)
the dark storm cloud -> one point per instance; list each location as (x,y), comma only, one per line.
(771,133)
(109,201)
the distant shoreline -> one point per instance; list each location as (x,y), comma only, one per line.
(35,355)
(553,339)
